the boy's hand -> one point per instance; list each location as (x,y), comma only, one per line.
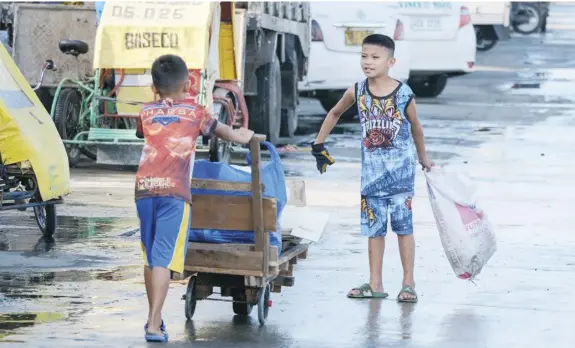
(426,164)
(322,157)
(238,136)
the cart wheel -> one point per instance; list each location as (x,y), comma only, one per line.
(264,304)
(46,218)
(242,308)
(191,298)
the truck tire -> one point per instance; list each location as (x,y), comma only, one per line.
(220,149)
(485,37)
(66,119)
(533,12)
(428,87)
(265,108)
(289,116)
(329,100)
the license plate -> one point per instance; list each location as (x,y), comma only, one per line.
(355,37)
(421,24)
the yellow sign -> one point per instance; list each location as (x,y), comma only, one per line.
(355,37)
(27,132)
(133,34)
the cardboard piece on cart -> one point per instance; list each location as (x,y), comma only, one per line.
(303,222)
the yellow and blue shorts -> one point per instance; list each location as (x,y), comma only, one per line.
(164,228)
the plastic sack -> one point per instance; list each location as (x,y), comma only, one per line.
(464,228)
(273,178)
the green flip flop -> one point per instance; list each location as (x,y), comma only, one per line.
(365,291)
(409,290)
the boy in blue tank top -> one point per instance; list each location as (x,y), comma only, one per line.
(392,143)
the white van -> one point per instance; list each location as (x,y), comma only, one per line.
(442,43)
(338,29)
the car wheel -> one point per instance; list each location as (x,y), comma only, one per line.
(428,87)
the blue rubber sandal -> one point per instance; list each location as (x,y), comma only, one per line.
(155,337)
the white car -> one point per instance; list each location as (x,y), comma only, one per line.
(338,28)
(442,42)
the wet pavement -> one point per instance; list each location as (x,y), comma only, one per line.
(85,288)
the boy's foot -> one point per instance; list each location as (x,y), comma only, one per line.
(156,337)
(159,336)
(366,291)
(407,294)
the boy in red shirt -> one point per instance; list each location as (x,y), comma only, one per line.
(170,127)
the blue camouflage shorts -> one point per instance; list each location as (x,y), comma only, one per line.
(375,210)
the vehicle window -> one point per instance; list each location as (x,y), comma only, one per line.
(10,93)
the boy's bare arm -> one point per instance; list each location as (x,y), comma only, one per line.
(418,138)
(238,136)
(334,114)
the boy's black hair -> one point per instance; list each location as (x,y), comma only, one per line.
(380,40)
(168,72)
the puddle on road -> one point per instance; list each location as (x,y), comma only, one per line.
(28,299)
(14,321)
(17,234)
(47,280)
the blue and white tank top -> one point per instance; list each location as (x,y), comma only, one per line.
(388,153)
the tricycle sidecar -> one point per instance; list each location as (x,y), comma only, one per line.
(34,170)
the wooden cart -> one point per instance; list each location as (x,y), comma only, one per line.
(246,273)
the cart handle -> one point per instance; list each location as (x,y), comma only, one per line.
(257,138)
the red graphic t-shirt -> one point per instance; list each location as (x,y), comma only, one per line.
(170,130)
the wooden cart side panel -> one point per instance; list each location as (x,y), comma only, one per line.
(220,185)
(219,212)
(236,259)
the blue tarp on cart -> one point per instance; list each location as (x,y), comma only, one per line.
(273,178)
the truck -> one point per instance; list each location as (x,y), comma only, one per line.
(272,49)
(491,21)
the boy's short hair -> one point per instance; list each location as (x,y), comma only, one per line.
(380,40)
(168,72)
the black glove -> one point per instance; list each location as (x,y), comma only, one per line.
(322,157)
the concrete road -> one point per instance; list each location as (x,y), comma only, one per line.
(86,288)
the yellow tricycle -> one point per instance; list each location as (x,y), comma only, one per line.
(34,170)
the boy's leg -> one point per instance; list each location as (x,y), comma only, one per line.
(173,218)
(401,217)
(373,226)
(376,248)
(145,207)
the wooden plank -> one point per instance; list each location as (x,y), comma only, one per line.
(251,260)
(283,280)
(208,184)
(225,256)
(290,253)
(240,272)
(225,248)
(232,213)
(262,240)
